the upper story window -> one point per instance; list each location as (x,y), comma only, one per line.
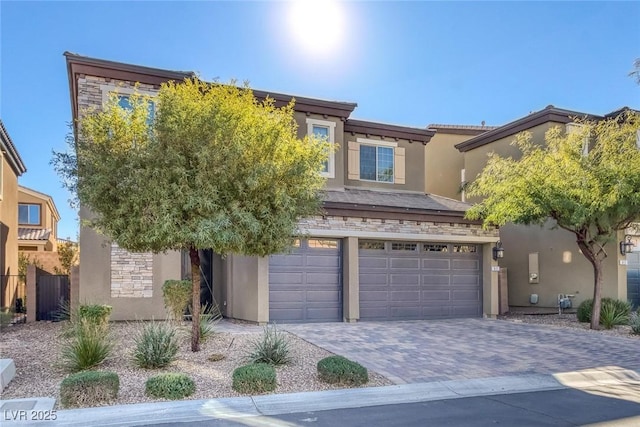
(324,130)
(125,103)
(376,160)
(579,128)
(124,94)
(28,214)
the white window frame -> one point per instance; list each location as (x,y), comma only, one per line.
(378,143)
(331,170)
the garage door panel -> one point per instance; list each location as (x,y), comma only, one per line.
(322,279)
(410,296)
(405,263)
(436,264)
(286,278)
(306,285)
(466,279)
(286,260)
(471,295)
(422,284)
(286,296)
(435,279)
(465,264)
(374,262)
(435,312)
(323,261)
(404,279)
(435,295)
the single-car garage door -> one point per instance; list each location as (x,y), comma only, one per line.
(410,280)
(633,278)
(305,285)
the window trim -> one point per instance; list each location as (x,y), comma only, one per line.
(39,223)
(378,143)
(331,170)
(107,89)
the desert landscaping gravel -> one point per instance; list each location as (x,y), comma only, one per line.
(35,348)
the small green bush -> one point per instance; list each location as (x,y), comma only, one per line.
(584,311)
(176,294)
(95,313)
(340,370)
(272,348)
(156,345)
(254,378)
(614,312)
(6,317)
(170,386)
(209,318)
(634,322)
(88,346)
(89,388)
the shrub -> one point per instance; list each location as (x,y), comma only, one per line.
(584,311)
(88,346)
(272,348)
(171,386)
(254,378)
(614,312)
(156,345)
(89,388)
(176,294)
(215,357)
(340,370)
(209,317)
(6,316)
(95,313)
(634,322)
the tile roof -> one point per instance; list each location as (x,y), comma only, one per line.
(469,127)
(408,201)
(33,233)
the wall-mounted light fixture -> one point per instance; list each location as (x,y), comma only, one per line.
(626,246)
(498,251)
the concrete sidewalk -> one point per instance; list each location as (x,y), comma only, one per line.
(277,404)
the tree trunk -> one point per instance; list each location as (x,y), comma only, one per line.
(597,290)
(195,303)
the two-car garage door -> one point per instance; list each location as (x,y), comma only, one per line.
(411,280)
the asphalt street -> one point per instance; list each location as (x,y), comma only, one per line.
(566,407)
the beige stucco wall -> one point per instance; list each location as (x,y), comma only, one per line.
(414,166)
(247,287)
(8,221)
(562,268)
(443,165)
(95,278)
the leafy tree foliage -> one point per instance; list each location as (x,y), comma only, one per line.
(591,194)
(68,256)
(212,167)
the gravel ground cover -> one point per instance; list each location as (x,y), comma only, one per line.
(35,348)
(567,320)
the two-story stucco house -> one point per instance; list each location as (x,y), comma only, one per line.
(37,220)
(11,167)
(382,249)
(542,261)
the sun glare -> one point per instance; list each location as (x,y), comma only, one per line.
(317,25)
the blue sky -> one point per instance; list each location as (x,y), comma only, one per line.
(409,63)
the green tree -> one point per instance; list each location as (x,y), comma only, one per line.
(68,256)
(592,195)
(212,168)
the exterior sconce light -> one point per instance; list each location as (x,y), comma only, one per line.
(626,246)
(498,251)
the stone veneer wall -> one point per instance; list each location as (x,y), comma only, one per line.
(131,273)
(395,226)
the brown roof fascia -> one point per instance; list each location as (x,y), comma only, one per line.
(460,130)
(12,155)
(388,212)
(310,105)
(549,114)
(387,130)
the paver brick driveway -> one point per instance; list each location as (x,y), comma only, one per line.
(423,351)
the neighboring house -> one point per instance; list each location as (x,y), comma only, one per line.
(382,249)
(11,167)
(541,260)
(37,220)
